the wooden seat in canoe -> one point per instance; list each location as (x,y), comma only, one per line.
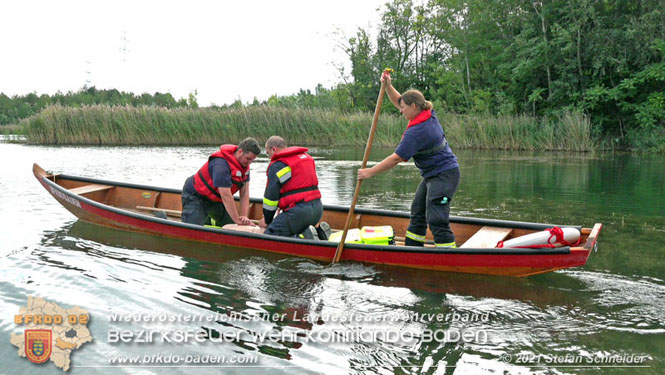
(90,188)
(487,237)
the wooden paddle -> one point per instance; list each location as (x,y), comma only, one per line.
(368,148)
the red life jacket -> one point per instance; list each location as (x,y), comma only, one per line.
(303,184)
(239,175)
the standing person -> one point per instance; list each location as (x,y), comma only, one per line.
(293,187)
(425,142)
(207,196)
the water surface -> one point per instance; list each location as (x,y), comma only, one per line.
(565,322)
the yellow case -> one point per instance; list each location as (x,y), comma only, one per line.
(353,236)
(377,235)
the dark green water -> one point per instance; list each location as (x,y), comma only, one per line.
(592,319)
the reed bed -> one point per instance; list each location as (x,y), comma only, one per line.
(106,125)
(11,129)
(568,132)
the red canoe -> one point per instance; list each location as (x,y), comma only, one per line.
(131,207)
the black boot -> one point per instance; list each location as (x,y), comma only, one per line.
(309,233)
(410,242)
(324,231)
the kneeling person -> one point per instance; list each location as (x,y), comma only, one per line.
(208,194)
(293,187)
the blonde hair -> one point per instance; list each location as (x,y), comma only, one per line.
(415,97)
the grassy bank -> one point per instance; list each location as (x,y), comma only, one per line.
(11,129)
(105,125)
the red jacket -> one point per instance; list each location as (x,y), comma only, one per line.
(203,181)
(302,186)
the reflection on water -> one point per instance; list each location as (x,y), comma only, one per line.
(613,305)
(554,313)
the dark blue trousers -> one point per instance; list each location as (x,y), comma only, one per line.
(295,220)
(431,207)
(197,209)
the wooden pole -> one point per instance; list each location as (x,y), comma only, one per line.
(368,148)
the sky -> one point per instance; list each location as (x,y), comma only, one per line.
(225,49)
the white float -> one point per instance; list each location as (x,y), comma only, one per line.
(570,235)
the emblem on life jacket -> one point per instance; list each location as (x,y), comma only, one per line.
(238,174)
